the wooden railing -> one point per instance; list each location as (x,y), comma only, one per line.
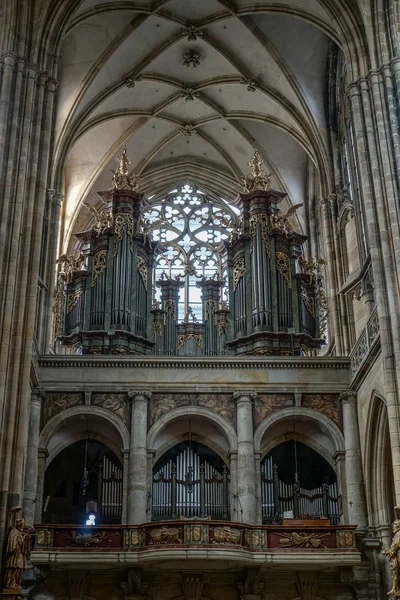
(294,536)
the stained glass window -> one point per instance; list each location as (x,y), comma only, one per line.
(189,226)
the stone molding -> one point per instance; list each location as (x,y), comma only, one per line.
(37,394)
(244,396)
(139,395)
(57,362)
(348,396)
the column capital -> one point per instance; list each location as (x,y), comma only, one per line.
(43,452)
(244,396)
(139,395)
(37,394)
(348,396)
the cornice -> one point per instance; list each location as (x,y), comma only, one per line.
(151,362)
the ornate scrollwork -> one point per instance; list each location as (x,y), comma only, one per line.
(123,220)
(185,337)
(72,265)
(283,266)
(142,269)
(308,303)
(58,308)
(259,179)
(103,219)
(281,221)
(210,308)
(303,540)
(157,326)
(263,220)
(99,264)
(310,267)
(73,299)
(239,269)
(169,307)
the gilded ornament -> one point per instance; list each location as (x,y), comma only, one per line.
(263,220)
(122,221)
(259,180)
(169,308)
(239,269)
(103,219)
(73,299)
(283,266)
(157,326)
(210,308)
(226,535)
(345,539)
(142,267)
(393,554)
(72,265)
(166,535)
(122,177)
(303,540)
(58,307)
(185,337)
(99,264)
(308,303)
(281,221)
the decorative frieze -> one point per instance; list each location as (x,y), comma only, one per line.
(55,403)
(266,404)
(327,404)
(221,404)
(113,402)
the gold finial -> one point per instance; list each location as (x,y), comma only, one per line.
(259,180)
(124,161)
(122,178)
(256,164)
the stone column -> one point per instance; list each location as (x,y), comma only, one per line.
(31,466)
(137,474)
(125,454)
(41,470)
(354,468)
(246,470)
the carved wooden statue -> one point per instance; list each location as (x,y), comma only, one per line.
(16,555)
(394,560)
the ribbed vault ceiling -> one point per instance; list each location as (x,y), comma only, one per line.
(260,84)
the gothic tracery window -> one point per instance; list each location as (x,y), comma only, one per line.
(189,227)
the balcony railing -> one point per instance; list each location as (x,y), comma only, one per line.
(365,343)
(296,536)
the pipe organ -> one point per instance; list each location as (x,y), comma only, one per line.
(192,275)
(190,487)
(278,497)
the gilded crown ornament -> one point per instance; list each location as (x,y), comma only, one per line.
(122,178)
(259,180)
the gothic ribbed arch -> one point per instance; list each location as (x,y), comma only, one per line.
(286,414)
(198,411)
(376,448)
(53,426)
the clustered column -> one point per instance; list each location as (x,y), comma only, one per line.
(246,469)
(137,477)
(31,468)
(354,471)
